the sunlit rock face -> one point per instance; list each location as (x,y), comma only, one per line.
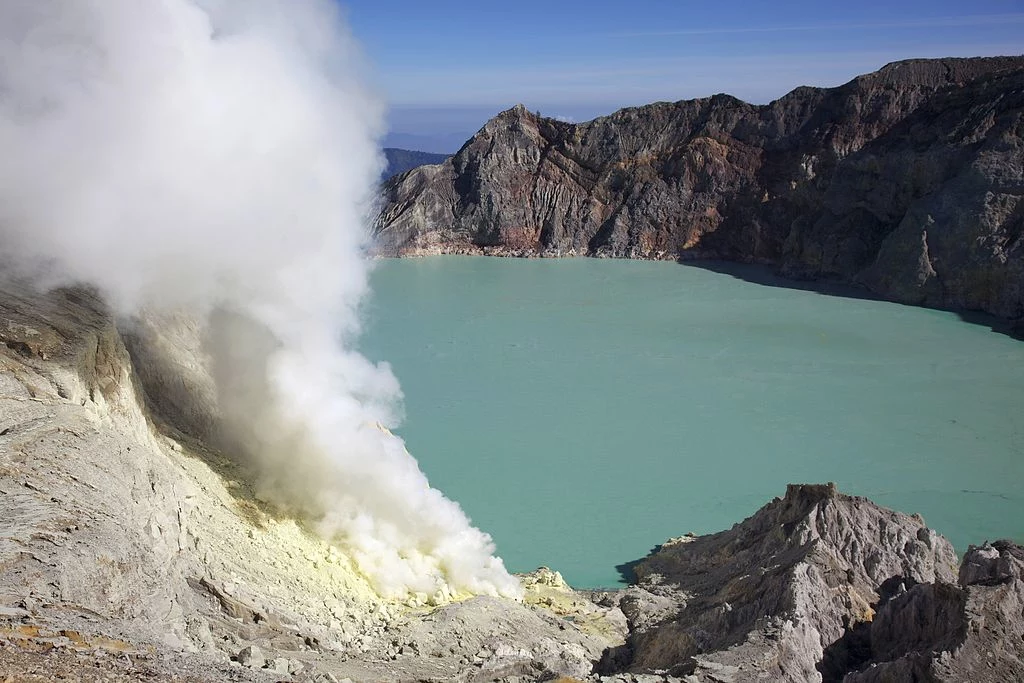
(774,594)
(905,180)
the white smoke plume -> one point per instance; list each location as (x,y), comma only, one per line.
(219,156)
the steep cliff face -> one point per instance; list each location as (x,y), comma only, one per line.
(907,180)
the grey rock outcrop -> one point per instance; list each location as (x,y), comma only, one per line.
(944,632)
(770,598)
(907,181)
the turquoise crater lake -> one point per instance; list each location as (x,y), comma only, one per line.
(582,411)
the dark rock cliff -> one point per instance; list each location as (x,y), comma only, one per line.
(907,181)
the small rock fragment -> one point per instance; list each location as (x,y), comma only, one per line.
(252,657)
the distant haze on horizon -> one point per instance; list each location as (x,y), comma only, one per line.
(447,66)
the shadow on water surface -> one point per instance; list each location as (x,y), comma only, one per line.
(627,570)
(766,275)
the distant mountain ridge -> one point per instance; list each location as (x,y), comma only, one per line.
(907,181)
(435,143)
(402,160)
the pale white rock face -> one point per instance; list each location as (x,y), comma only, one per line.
(119,523)
(137,519)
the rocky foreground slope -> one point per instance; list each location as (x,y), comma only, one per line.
(130,549)
(907,181)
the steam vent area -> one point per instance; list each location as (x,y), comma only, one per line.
(322,360)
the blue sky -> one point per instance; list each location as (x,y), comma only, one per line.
(446,65)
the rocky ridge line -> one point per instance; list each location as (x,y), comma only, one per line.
(907,181)
(821,586)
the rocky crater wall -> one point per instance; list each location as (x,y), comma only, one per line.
(906,181)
